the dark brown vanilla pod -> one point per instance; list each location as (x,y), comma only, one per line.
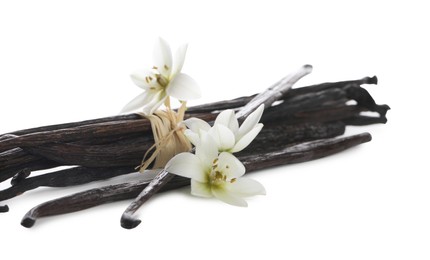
(108,147)
(304,152)
(128,218)
(327,105)
(332,85)
(41,164)
(297,110)
(77,133)
(15,160)
(82,131)
(94,197)
(129,153)
(281,134)
(285,134)
(4,209)
(291,112)
(62,178)
(88,132)
(324,106)
(241,101)
(20,176)
(200,109)
(107,155)
(76,124)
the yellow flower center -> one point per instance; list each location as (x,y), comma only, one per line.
(217,176)
(162,80)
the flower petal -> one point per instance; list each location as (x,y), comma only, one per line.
(194,138)
(250,122)
(179,59)
(223,136)
(144,79)
(195,124)
(228,119)
(138,101)
(229,198)
(230,165)
(183,87)
(162,56)
(207,151)
(200,189)
(155,103)
(247,187)
(187,165)
(247,139)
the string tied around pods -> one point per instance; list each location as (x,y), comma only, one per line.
(169,138)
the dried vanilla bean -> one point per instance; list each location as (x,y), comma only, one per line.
(241,101)
(94,197)
(306,102)
(304,152)
(213,106)
(19,177)
(310,106)
(62,178)
(284,134)
(126,153)
(299,103)
(364,99)
(87,131)
(87,155)
(77,124)
(16,157)
(108,147)
(41,164)
(296,110)
(206,108)
(61,152)
(281,134)
(110,155)
(364,120)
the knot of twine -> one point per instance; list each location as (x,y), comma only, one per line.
(169,138)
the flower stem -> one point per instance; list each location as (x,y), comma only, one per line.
(167,103)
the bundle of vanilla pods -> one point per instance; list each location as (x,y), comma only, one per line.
(303,124)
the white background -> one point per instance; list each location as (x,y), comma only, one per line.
(63,61)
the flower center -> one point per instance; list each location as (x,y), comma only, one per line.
(218,176)
(161,80)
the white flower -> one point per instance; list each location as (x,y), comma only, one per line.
(226,132)
(215,175)
(163,80)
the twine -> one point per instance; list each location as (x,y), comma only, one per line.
(169,138)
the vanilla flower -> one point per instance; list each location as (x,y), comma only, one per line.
(215,174)
(226,132)
(163,80)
